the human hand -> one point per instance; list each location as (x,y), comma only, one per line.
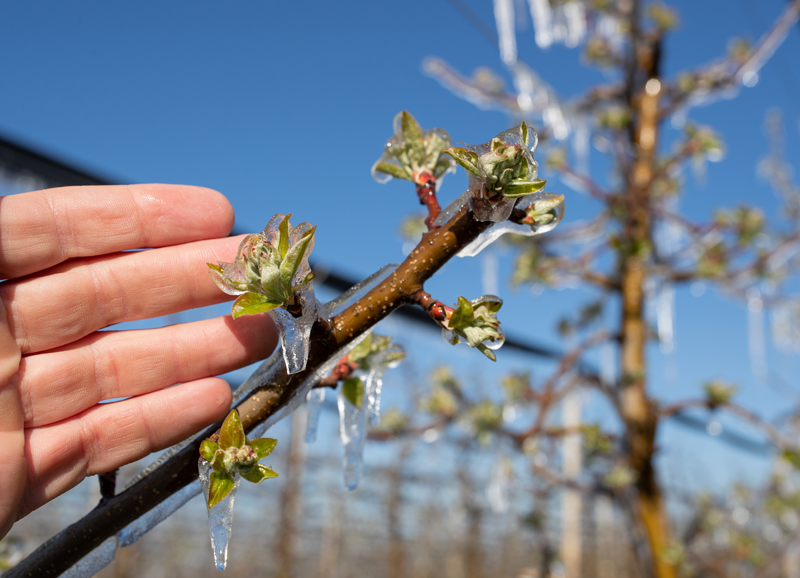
(65,280)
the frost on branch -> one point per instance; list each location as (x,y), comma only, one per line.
(500,171)
(476,323)
(413,154)
(271,273)
(222,464)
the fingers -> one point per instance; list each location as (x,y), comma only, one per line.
(109,435)
(79,297)
(44,228)
(112,364)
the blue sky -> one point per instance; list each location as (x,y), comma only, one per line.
(284,106)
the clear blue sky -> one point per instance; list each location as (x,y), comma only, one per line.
(284,106)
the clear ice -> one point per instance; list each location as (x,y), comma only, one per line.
(494,232)
(94,561)
(220,517)
(139,527)
(504,18)
(295,332)
(315,398)
(269,372)
(353,431)
(384,360)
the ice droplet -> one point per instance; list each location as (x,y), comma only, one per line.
(314,398)
(295,332)
(220,517)
(493,233)
(353,431)
(94,561)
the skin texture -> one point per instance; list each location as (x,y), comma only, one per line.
(64,255)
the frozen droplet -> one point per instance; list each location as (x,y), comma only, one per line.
(314,398)
(386,359)
(94,561)
(353,431)
(493,233)
(220,517)
(295,331)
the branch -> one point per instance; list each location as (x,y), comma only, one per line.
(271,400)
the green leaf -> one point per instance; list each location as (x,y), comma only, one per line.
(232,433)
(526,137)
(361,350)
(391,169)
(295,256)
(463,315)
(259,473)
(252,303)
(353,390)
(208,449)
(412,133)
(443,165)
(466,158)
(487,352)
(263,446)
(283,236)
(229,286)
(521,188)
(220,485)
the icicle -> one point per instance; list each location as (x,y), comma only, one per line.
(498,488)
(496,231)
(665,316)
(607,367)
(389,358)
(542,17)
(580,141)
(748,74)
(314,398)
(220,517)
(94,561)
(295,332)
(504,17)
(353,431)
(576,23)
(755,333)
(559,23)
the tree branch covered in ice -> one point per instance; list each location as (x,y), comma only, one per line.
(270,274)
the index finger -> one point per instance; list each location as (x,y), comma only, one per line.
(43,228)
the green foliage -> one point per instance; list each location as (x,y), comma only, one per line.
(517,387)
(663,17)
(376,349)
(614,117)
(412,151)
(476,322)
(265,272)
(718,392)
(353,390)
(532,266)
(543,212)
(746,222)
(505,169)
(234,454)
(713,261)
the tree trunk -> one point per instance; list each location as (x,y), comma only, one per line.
(637,409)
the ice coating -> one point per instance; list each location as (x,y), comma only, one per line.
(271,371)
(139,527)
(452,338)
(353,431)
(451,209)
(315,398)
(390,358)
(94,561)
(494,232)
(220,517)
(395,153)
(295,331)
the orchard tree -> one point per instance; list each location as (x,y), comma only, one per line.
(327,346)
